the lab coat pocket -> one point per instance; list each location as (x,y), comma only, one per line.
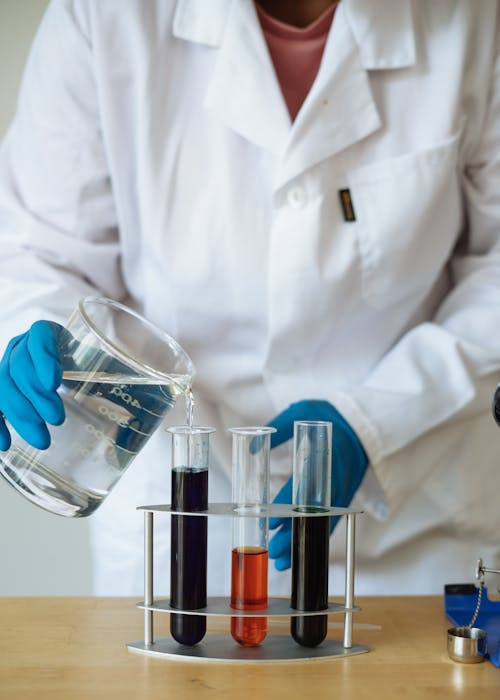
(408,216)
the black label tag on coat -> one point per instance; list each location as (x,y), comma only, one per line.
(347,206)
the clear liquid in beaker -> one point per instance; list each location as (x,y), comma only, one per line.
(109,418)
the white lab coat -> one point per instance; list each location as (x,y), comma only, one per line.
(152,159)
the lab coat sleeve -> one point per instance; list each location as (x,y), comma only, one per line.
(58,228)
(428,402)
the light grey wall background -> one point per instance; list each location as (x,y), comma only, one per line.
(40,553)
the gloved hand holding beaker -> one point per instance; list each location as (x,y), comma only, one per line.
(116,376)
(349,464)
(31,372)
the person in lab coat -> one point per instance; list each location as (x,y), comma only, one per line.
(339,254)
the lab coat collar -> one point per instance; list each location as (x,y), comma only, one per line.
(243,91)
(383,30)
(201,21)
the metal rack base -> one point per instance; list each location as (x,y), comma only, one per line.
(222,647)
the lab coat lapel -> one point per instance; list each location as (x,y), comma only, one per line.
(340,109)
(243,91)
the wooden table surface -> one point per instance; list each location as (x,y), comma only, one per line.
(75,648)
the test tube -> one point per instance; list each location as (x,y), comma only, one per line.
(249,556)
(188,541)
(311,535)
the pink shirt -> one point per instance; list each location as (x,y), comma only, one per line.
(296,53)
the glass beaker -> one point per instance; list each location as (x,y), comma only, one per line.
(121,375)
(188,534)
(249,556)
(312,452)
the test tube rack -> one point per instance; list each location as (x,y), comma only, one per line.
(222,647)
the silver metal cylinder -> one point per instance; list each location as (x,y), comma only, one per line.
(468,645)
(349,578)
(148,577)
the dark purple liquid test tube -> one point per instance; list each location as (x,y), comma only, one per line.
(188,546)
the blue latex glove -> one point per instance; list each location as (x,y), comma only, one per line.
(349,463)
(30,372)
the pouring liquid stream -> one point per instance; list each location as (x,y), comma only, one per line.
(189,421)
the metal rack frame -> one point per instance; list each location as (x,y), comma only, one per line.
(222,647)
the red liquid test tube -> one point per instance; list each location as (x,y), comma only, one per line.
(249,557)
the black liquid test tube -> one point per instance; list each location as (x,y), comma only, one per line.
(188,550)
(311,535)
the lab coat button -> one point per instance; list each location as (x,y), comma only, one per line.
(296,197)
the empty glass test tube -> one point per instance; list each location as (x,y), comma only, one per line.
(188,541)
(249,556)
(311,535)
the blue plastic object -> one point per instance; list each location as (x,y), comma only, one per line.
(349,463)
(30,372)
(460,601)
